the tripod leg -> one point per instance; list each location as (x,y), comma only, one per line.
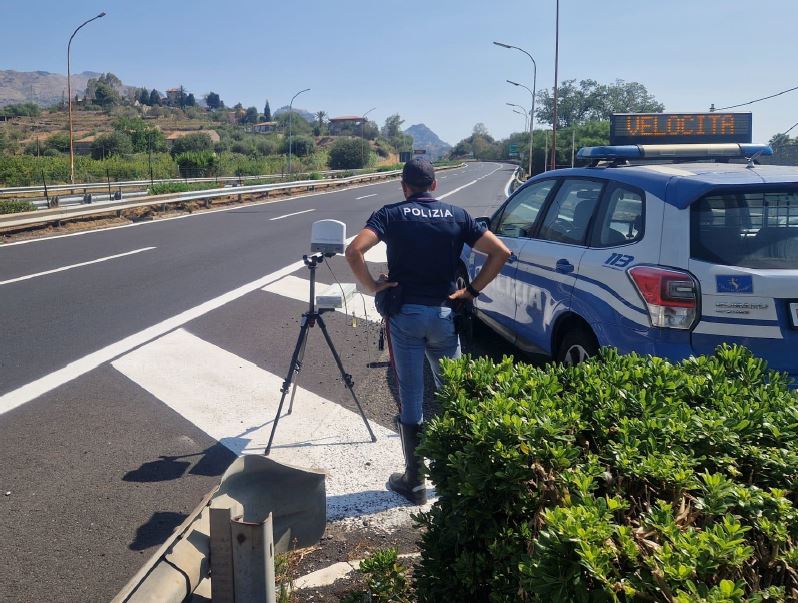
(346,376)
(292,370)
(300,360)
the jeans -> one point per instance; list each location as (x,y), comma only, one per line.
(415,332)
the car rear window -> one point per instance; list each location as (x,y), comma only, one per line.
(749,229)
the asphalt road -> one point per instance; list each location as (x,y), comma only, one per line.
(110,338)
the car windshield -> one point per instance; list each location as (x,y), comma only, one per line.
(743,228)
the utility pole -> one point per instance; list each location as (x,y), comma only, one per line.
(556,66)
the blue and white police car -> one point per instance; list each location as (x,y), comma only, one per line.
(667,250)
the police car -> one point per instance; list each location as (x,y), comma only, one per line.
(667,250)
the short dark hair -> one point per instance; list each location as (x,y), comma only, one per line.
(417,189)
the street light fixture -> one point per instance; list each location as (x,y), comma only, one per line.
(363,135)
(531,119)
(534,89)
(290,116)
(522,112)
(69,99)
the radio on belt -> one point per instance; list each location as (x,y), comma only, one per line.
(328,237)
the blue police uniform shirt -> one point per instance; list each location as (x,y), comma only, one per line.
(425,238)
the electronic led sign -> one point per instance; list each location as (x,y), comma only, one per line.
(679,128)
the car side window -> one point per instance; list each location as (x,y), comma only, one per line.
(567,219)
(520,214)
(622,222)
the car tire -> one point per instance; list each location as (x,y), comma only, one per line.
(577,345)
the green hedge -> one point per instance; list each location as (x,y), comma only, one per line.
(15,207)
(165,188)
(625,478)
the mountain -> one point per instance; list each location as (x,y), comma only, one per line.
(424,138)
(41,87)
(303,112)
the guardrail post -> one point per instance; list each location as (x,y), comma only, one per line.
(222,584)
(253,560)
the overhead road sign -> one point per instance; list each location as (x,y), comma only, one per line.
(679,128)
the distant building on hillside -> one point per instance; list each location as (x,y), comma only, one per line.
(265,127)
(344,124)
(173,96)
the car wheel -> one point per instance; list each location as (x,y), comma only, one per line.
(576,346)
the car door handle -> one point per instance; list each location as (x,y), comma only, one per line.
(512,259)
(564,266)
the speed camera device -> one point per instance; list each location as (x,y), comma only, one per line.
(328,237)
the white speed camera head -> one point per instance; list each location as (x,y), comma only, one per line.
(328,237)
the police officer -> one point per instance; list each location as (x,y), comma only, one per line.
(424,238)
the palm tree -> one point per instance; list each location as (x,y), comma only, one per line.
(320,117)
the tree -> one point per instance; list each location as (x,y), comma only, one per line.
(196,141)
(155,98)
(267,112)
(144,96)
(299,125)
(320,121)
(480,129)
(109,144)
(59,141)
(779,141)
(251,116)
(190,100)
(301,146)
(348,153)
(105,95)
(393,126)
(213,101)
(590,100)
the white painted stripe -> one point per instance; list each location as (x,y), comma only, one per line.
(738,330)
(365,196)
(234,401)
(457,190)
(70,267)
(296,213)
(298,288)
(79,367)
(378,254)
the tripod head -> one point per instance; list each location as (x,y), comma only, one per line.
(313,260)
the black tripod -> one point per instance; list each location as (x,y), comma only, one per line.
(309,319)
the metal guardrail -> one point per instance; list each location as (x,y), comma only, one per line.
(24,220)
(103,186)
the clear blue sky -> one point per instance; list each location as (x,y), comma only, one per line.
(431,62)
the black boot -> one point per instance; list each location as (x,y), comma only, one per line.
(410,484)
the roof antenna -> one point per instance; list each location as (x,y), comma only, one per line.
(752,159)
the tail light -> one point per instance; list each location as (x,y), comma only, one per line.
(670,295)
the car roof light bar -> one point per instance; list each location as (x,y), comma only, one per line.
(674,151)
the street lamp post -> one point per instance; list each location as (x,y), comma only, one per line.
(363,135)
(534,90)
(69,99)
(523,112)
(290,116)
(556,67)
(531,119)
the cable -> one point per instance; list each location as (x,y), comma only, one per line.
(758,100)
(340,286)
(354,318)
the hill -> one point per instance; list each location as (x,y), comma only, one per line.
(303,112)
(41,87)
(424,138)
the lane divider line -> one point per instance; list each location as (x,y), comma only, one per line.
(70,267)
(365,196)
(296,213)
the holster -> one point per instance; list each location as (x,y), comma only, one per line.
(389,301)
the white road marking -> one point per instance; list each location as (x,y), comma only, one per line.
(365,197)
(70,267)
(234,401)
(457,190)
(296,213)
(80,367)
(298,288)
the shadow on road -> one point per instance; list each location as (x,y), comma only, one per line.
(213,462)
(156,530)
